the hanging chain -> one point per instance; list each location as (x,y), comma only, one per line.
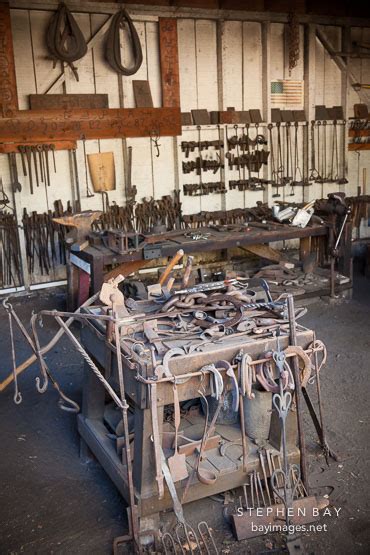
(293,40)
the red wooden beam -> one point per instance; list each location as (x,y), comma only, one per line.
(169,62)
(8,83)
(94,123)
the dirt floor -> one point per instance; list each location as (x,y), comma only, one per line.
(52,503)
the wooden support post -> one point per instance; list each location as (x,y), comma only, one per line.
(304,247)
(169,58)
(345,260)
(266,86)
(8,83)
(309,71)
(340,63)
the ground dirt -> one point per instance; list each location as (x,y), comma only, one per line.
(52,503)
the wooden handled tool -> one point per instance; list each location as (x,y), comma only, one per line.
(170,266)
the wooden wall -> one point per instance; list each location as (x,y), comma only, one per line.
(220,66)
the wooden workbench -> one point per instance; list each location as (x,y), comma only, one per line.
(98,259)
(94,432)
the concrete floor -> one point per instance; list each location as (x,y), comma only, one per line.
(51,503)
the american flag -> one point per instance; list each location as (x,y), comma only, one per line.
(285,92)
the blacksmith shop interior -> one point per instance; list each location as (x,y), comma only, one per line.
(184,277)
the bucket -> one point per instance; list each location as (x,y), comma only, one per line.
(257,415)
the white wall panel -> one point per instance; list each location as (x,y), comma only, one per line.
(24,67)
(252,66)
(206,49)
(232,64)
(187,63)
(235,78)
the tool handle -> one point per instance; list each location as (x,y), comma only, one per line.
(188,268)
(170,266)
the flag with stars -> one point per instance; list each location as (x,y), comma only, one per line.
(286,92)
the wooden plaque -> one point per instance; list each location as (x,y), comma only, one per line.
(67,101)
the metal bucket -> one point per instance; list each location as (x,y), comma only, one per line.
(257,415)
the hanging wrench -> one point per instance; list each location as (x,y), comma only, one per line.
(28,156)
(22,150)
(34,154)
(46,150)
(41,162)
(52,148)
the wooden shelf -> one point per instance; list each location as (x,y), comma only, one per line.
(359,133)
(359,146)
(6,148)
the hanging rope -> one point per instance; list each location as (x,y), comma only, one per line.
(113,46)
(64,38)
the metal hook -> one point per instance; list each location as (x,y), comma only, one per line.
(154,137)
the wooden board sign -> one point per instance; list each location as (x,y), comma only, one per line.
(67,101)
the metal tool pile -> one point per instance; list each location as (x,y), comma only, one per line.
(174,321)
(141,217)
(45,239)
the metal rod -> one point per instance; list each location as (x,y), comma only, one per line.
(298,392)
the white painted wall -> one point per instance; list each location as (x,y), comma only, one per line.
(220,66)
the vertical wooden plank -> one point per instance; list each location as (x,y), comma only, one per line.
(85,84)
(106,81)
(232,64)
(252,66)
(105,78)
(277,50)
(163,168)
(309,71)
(142,172)
(45,73)
(126,56)
(154,67)
(169,60)
(332,74)
(187,64)
(320,73)
(23,57)
(206,63)
(309,78)
(8,83)
(266,92)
